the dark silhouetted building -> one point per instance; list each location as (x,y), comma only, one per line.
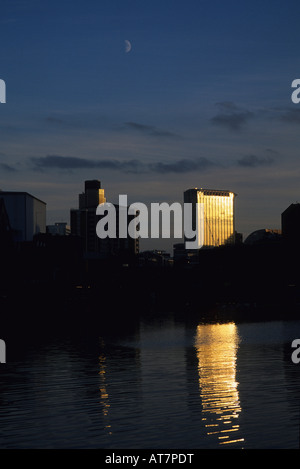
(5,228)
(155,257)
(26,215)
(183,256)
(263,236)
(290,224)
(238,238)
(84,221)
(59,228)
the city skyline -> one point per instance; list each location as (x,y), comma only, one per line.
(162,242)
(201,99)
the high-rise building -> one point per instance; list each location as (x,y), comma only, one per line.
(84,221)
(290,224)
(219,215)
(5,229)
(92,196)
(26,214)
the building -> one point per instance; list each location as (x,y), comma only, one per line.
(59,228)
(219,215)
(84,221)
(155,257)
(122,246)
(5,229)
(290,224)
(263,236)
(26,215)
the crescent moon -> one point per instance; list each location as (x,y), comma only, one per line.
(127,46)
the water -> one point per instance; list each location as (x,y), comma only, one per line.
(164,384)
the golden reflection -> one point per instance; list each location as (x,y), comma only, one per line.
(104,397)
(216,346)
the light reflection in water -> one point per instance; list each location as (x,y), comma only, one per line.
(216,347)
(104,398)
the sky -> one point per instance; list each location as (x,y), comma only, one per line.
(202,99)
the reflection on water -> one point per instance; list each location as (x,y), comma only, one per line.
(165,385)
(104,399)
(216,346)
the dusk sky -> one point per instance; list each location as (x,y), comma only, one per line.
(202,99)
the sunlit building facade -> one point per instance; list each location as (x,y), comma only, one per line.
(219,215)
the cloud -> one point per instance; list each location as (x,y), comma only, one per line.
(252,161)
(54,120)
(291,116)
(150,130)
(181,166)
(127,166)
(103,122)
(71,163)
(62,162)
(7,167)
(69,121)
(231,116)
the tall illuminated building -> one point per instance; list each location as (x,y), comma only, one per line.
(219,214)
